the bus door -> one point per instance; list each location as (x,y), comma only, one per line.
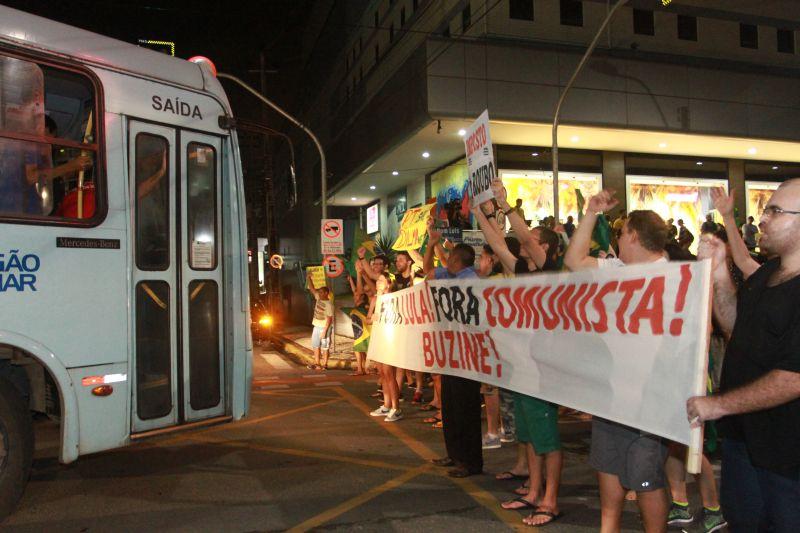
(177,368)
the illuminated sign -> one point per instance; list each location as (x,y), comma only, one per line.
(372,219)
(165,47)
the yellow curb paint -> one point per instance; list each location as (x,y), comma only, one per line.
(352,503)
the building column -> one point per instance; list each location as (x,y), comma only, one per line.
(614,176)
(736,181)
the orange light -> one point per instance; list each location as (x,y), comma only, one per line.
(103,390)
(88,381)
(207,61)
(265,321)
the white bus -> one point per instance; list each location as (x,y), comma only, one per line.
(123,270)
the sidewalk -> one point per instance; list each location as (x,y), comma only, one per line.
(295,342)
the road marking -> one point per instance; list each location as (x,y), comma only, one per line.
(328,383)
(291,392)
(301,453)
(271,387)
(275,360)
(362,498)
(314,376)
(481,496)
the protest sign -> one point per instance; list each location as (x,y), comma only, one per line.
(413,228)
(317,276)
(480,160)
(628,344)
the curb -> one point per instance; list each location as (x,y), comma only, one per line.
(303,356)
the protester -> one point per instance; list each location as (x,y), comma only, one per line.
(461,400)
(672,231)
(405,277)
(759,403)
(625,457)
(569,226)
(323,330)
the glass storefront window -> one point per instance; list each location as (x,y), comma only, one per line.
(535,188)
(687,199)
(758,194)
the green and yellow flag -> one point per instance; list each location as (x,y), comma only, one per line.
(601,235)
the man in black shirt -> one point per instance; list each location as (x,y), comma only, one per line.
(760,392)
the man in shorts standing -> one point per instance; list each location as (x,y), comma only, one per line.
(322,323)
(624,457)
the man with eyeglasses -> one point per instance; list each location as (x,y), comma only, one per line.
(759,402)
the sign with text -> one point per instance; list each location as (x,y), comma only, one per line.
(317,276)
(480,160)
(413,228)
(453,235)
(334,266)
(332,236)
(628,344)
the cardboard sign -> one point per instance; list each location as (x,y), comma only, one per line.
(628,344)
(413,228)
(317,276)
(332,236)
(334,266)
(480,160)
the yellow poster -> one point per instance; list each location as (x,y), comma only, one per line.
(317,276)
(413,228)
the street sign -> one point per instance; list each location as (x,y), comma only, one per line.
(332,236)
(334,266)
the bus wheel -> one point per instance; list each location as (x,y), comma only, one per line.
(16,446)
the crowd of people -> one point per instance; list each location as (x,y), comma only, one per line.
(756,310)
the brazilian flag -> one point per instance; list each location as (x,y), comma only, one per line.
(361,330)
(601,235)
(360,239)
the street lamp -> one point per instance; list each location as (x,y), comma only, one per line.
(290,118)
(578,69)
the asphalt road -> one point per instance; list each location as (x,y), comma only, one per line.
(308,457)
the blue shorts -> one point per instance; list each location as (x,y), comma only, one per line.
(317,341)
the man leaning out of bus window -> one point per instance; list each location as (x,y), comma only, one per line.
(323,324)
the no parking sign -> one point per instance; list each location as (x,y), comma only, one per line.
(332,236)
(334,266)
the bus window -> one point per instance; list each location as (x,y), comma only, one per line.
(152,202)
(153,353)
(201,206)
(47,148)
(204,359)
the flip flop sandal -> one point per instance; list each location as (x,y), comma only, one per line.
(522,491)
(524,504)
(508,474)
(552,516)
(431,420)
(428,407)
(437,425)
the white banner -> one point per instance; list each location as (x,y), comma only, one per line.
(628,344)
(480,160)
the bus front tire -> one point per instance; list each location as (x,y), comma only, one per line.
(16,448)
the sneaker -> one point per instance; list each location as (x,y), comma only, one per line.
(507,437)
(380,411)
(713,520)
(393,416)
(491,442)
(679,515)
(417,399)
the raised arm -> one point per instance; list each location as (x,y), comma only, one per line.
(434,238)
(577,256)
(495,240)
(521,231)
(741,255)
(711,247)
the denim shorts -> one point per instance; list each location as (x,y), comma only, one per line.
(317,341)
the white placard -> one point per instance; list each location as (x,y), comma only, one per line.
(202,254)
(480,160)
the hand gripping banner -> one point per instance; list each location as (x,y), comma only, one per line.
(628,344)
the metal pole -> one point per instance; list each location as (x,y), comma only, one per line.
(586,56)
(290,118)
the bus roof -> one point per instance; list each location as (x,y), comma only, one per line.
(30,31)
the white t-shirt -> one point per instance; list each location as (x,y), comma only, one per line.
(322,310)
(613,262)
